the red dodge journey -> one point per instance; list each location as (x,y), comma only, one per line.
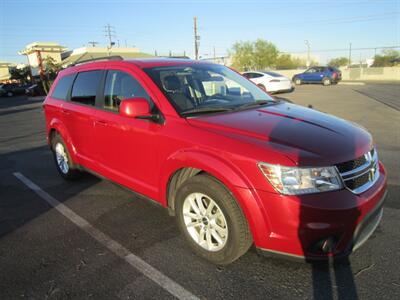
(234,165)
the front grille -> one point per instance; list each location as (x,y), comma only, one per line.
(352,164)
(360,174)
(358,181)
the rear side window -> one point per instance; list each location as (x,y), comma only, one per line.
(120,86)
(85,87)
(62,88)
(273,74)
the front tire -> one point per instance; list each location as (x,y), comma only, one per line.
(297,81)
(10,94)
(64,163)
(211,220)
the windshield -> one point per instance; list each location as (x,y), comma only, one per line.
(206,88)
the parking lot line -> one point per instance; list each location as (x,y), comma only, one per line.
(139,264)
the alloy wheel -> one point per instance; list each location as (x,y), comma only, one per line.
(205,222)
(62,158)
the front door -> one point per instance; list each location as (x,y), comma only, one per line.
(127,146)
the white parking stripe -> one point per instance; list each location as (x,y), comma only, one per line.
(135,261)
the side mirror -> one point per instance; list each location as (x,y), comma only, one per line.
(134,107)
(138,108)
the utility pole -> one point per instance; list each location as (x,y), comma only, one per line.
(308,52)
(214,57)
(196,40)
(350,55)
(110,33)
(93,43)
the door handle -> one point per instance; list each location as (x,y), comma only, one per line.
(101,122)
(66,112)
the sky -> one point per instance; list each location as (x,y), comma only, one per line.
(168,25)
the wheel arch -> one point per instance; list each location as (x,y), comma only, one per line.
(57,127)
(180,168)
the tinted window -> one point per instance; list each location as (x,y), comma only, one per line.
(247,75)
(85,87)
(257,75)
(120,86)
(62,88)
(253,75)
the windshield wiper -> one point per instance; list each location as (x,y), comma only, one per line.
(204,110)
(255,104)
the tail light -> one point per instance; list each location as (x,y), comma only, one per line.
(274,80)
(334,75)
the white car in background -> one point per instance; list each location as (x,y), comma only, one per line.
(270,81)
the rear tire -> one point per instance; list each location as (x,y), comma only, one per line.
(64,164)
(211,220)
(326,81)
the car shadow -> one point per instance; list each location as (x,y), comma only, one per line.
(331,272)
(18,204)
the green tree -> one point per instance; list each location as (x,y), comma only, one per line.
(51,67)
(20,74)
(388,58)
(260,54)
(242,55)
(339,62)
(287,61)
(264,54)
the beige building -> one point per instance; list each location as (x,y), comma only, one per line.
(5,70)
(36,52)
(86,53)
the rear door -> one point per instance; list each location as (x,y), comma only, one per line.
(128,147)
(79,115)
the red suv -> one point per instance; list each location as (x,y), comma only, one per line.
(235,166)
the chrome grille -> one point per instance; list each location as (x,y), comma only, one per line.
(360,174)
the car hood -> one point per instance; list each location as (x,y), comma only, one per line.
(306,136)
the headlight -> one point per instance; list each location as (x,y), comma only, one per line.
(297,181)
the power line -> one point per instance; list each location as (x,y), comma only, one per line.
(344,49)
(93,43)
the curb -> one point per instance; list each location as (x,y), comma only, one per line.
(351,83)
(36,98)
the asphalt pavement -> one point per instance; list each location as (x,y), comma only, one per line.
(92,239)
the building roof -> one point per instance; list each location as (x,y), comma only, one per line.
(164,61)
(87,53)
(42,46)
(4,64)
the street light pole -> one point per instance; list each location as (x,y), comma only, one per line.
(196,40)
(350,55)
(308,52)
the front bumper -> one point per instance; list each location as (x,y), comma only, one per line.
(318,226)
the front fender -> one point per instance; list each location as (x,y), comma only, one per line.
(229,175)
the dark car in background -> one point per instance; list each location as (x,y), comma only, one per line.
(34,90)
(324,75)
(11,89)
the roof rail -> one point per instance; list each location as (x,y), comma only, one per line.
(112,57)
